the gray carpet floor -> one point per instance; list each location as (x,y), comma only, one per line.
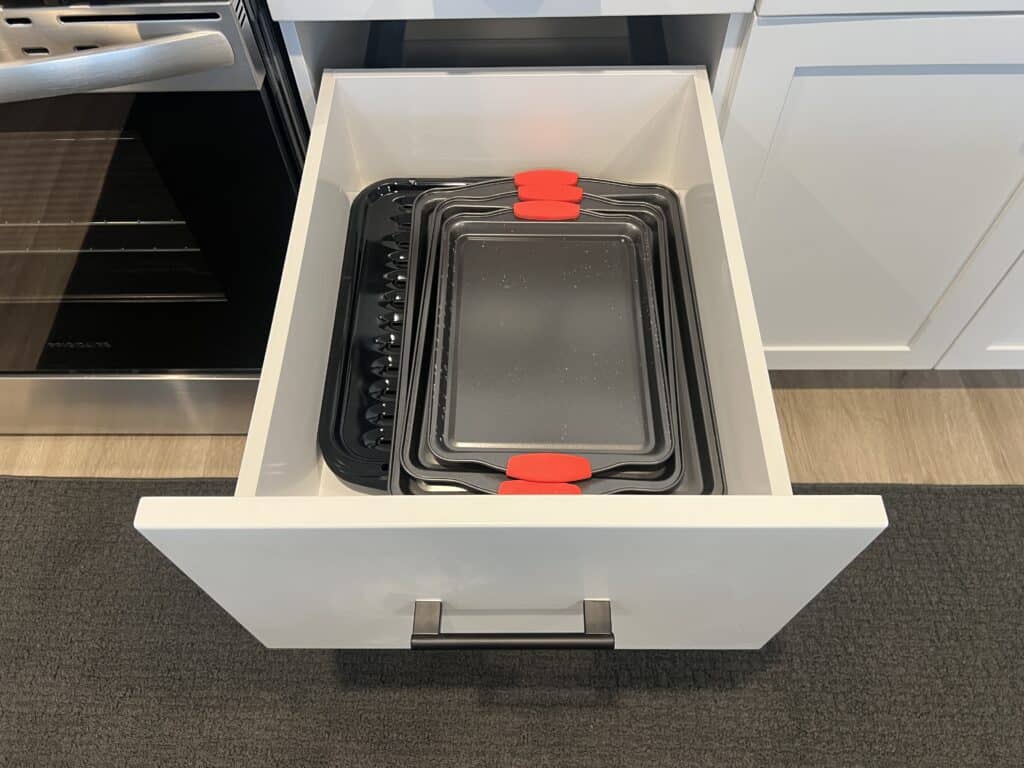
(109,657)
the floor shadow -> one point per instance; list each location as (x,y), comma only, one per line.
(555,678)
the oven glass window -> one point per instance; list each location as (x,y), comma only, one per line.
(139,232)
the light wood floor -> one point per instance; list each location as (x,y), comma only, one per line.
(121,455)
(945,428)
(837,427)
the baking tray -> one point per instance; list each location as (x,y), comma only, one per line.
(659,480)
(649,214)
(597,208)
(359,398)
(351,370)
(426,467)
(707,477)
(548,339)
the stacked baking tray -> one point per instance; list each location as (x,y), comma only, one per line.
(535,334)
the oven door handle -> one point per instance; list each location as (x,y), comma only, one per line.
(112,66)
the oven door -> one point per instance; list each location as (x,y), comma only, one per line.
(142,228)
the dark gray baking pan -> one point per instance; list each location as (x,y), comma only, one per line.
(666,477)
(663,478)
(694,396)
(547,339)
(649,214)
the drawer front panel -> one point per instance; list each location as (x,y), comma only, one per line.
(708,573)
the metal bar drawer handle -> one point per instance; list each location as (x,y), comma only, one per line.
(427,634)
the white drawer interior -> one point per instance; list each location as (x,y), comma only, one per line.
(634,125)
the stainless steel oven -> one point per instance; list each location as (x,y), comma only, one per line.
(149,162)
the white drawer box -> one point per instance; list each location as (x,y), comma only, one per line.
(358,10)
(301,560)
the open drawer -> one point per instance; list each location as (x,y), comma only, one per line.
(301,560)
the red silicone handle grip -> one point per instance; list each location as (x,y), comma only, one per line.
(548,467)
(526,488)
(547,177)
(549,192)
(546,210)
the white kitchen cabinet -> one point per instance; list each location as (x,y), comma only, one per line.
(874,162)
(303,560)
(993,283)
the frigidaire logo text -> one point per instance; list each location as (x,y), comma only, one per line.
(79,345)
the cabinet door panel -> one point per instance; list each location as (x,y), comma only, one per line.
(995,337)
(870,158)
